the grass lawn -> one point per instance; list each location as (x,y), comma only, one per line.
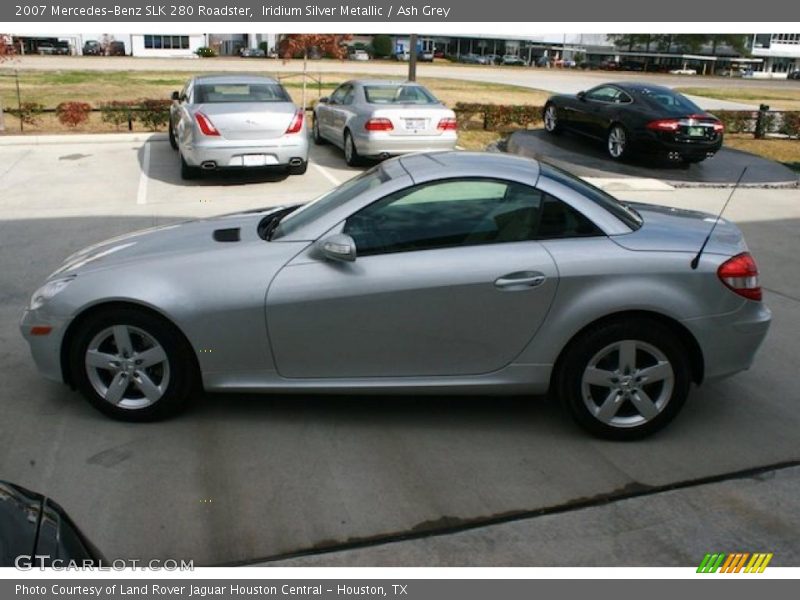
(53,87)
(781,150)
(784,98)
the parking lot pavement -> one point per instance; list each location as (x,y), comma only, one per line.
(241,478)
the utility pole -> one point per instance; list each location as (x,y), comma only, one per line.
(412,58)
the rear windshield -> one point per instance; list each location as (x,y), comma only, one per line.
(240,92)
(620,210)
(398,94)
(668,101)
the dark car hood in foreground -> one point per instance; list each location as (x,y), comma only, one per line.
(185,238)
(679,230)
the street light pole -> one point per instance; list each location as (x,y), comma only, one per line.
(412,58)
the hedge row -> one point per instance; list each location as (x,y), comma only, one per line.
(744,121)
(152,113)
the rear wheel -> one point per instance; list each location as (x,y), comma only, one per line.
(188,171)
(625,379)
(617,142)
(351,156)
(133,366)
(550,117)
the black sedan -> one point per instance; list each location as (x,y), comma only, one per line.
(637,118)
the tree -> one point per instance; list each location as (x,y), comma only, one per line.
(6,52)
(382,45)
(105,43)
(301,43)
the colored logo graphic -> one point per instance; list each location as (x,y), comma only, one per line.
(738,562)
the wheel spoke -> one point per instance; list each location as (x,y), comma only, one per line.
(644,404)
(627,356)
(142,381)
(601,377)
(657,372)
(122,339)
(116,389)
(102,360)
(151,356)
(610,406)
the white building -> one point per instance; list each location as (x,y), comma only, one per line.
(781,51)
(180,45)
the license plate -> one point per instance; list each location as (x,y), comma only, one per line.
(415,123)
(258,160)
(696,131)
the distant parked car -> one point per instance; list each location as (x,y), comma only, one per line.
(470,59)
(402,56)
(631,65)
(237,122)
(378,119)
(53,48)
(116,49)
(794,74)
(634,118)
(92,48)
(514,61)
(425,56)
(358,55)
(609,65)
(544,61)
(731,72)
(252,53)
(683,71)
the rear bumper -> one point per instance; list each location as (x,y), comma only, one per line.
(653,143)
(380,144)
(729,342)
(230,153)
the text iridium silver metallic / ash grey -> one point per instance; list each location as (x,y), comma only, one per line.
(430,273)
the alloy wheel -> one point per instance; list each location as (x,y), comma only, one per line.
(348,148)
(617,141)
(127,367)
(550,118)
(627,384)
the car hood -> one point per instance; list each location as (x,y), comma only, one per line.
(186,237)
(678,230)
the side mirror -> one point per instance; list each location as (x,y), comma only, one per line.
(176,95)
(323,100)
(339,247)
(581,96)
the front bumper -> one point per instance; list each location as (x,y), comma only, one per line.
(729,342)
(229,153)
(45,349)
(384,144)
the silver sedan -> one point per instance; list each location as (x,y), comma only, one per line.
(378,119)
(237,122)
(431,273)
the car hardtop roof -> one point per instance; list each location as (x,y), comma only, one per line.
(426,166)
(639,86)
(241,79)
(363,82)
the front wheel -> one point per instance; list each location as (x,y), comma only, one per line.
(133,366)
(618,143)
(173,141)
(625,379)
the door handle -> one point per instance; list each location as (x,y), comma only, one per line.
(520,280)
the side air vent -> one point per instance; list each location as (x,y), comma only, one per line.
(227,235)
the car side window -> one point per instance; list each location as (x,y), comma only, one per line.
(463,212)
(348,96)
(603,93)
(338,96)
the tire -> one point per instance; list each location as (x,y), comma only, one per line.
(351,156)
(552,124)
(592,378)
(150,393)
(172,140)
(315,134)
(618,142)
(298,169)
(187,171)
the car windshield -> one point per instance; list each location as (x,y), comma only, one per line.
(620,210)
(398,94)
(666,100)
(240,92)
(329,201)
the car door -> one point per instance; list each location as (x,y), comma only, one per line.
(448,281)
(597,105)
(329,125)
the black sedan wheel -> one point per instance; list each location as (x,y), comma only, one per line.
(550,117)
(617,142)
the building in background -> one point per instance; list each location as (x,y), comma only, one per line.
(780,51)
(163,45)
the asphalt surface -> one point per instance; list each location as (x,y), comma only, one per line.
(245,478)
(589,158)
(557,81)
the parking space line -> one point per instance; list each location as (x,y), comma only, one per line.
(141,195)
(326,174)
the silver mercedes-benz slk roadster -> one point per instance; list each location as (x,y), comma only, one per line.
(430,273)
(379,119)
(222,122)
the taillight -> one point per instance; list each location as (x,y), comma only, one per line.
(740,274)
(448,124)
(206,126)
(297,122)
(664,125)
(378,125)
(718,127)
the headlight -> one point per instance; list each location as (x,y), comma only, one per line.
(48,291)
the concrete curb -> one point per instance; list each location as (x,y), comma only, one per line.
(83,138)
